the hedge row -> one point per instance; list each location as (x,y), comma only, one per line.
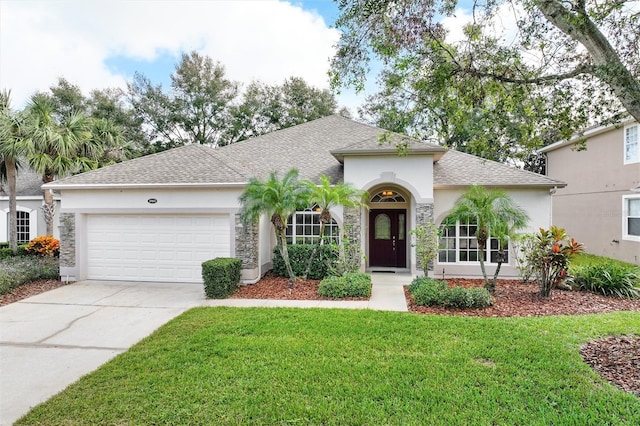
(299,255)
(428,292)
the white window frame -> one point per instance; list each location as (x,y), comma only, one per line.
(33,222)
(626,141)
(625,217)
(297,219)
(469,238)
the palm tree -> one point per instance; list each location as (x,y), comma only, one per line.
(326,197)
(495,214)
(12,148)
(278,199)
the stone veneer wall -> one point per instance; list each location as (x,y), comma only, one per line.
(352,225)
(424,214)
(246,243)
(67,229)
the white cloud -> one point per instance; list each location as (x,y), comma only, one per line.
(267,40)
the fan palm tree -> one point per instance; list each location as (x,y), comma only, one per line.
(59,148)
(326,197)
(495,214)
(12,148)
(278,199)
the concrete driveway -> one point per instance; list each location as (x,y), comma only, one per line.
(50,340)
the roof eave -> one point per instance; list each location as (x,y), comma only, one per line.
(339,154)
(511,186)
(79,186)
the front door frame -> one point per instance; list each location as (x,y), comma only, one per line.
(389,250)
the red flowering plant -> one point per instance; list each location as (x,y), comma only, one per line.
(44,245)
(549,256)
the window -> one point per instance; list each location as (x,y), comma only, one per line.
(23,227)
(631,217)
(459,244)
(631,152)
(304,228)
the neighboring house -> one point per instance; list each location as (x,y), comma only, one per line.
(156,218)
(29,203)
(600,206)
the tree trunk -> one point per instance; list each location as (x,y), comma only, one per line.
(481,250)
(609,67)
(316,247)
(13,210)
(500,262)
(48,210)
(284,252)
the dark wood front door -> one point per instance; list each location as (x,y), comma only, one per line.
(387,238)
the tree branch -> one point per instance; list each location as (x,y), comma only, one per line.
(580,69)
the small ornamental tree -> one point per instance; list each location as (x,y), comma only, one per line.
(549,256)
(426,241)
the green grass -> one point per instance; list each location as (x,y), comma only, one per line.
(342,367)
(585,259)
(18,270)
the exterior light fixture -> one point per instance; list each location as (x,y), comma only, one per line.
(387,193)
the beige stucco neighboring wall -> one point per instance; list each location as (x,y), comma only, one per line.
(590,206)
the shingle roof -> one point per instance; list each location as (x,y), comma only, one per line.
(189,164)
(459,169)
(314,148)
(28,183)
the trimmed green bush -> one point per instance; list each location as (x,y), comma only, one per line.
(607,278)
(6,252)
(429,292)
(18,270)
(221,276)
(354,284)
(299,255)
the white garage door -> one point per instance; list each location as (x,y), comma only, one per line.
(164,248)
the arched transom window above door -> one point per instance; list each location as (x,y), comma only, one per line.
(388,196)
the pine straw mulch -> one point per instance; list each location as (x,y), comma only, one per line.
(615,358)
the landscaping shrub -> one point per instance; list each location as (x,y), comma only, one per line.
(299,255)
(354,284)
(44,245)
(19,270)
(429,292)
(608,278)
(221,276)
(6,252)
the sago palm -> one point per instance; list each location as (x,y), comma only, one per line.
(278,199)
(495,214)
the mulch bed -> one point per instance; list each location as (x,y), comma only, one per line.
(28,290)
(516,299)
(272,286)
(615,358)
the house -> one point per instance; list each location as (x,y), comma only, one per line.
(29,203)
(600,206)
(156,218)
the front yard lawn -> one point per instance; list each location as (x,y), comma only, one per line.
(343,367)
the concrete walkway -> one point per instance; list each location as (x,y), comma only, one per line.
(50,340)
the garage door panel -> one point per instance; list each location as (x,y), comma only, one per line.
(154,247)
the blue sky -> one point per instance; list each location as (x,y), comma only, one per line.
(101,43)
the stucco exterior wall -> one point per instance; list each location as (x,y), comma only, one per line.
(414,173)
(590,207)
(33,205)
(536,202)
